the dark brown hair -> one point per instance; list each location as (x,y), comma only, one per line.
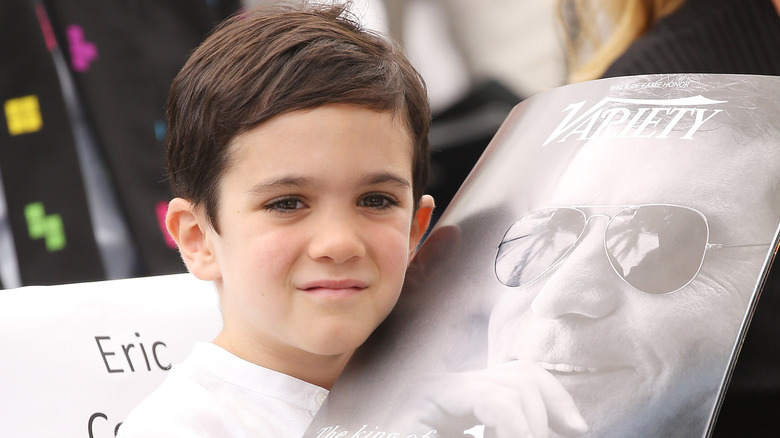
(269,62)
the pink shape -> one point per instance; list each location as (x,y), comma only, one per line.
(161,208)
(82,52)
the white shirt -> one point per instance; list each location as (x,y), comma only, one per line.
(214,393)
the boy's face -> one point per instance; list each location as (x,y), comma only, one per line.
(316,232)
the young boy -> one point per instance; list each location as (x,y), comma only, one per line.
(298,153)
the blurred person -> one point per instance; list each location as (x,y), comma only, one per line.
(599,31)
(607,38)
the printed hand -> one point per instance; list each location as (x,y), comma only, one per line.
(513,400)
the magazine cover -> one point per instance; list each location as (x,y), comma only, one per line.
(593,277)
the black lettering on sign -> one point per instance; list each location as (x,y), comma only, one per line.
(91,422)
(135,355)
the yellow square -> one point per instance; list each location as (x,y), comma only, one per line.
(23,115)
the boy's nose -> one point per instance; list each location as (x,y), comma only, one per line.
(336,238)
(581,284)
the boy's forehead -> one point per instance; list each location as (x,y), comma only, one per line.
(398,116)
(294,136)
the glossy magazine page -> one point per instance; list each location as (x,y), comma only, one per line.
(594,275)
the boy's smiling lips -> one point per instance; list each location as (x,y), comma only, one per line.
(336,286)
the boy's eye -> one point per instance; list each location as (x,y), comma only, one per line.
(377,201)
(286,204)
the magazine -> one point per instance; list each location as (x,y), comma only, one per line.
(594,276)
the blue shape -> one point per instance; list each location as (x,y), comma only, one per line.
(159,130)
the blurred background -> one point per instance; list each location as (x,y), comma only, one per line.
(83,190)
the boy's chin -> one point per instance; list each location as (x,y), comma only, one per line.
(336,347)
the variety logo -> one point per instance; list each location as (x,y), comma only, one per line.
(635,118)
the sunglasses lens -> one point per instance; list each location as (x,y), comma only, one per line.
(657,248)
(535,243)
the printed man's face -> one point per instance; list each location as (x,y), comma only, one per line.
(627,356)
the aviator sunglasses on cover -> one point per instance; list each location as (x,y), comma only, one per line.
(655,248)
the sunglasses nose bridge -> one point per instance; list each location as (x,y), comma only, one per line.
(577,285)
(584,232)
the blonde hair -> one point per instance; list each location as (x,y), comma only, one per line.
(599,31)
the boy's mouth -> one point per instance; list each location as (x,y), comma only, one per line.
(333,285)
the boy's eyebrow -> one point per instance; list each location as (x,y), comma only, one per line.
(300,181)
(386,177)
(286,181)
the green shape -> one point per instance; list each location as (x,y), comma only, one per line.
(50,228)
(34,214)
(55,233)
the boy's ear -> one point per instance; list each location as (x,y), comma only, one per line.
(189,228)
(420,223)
